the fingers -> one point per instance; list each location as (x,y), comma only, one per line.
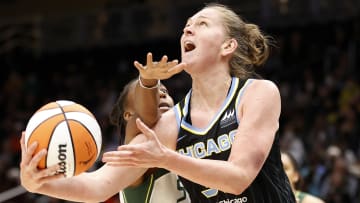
(48,172)
(36,159)
(177,68)
(149,58)
(123,157)
(138,66)
(27,153)
(114,156)
(22,144)
(161,70)
(45,175)
(163,60)
(125,151)
(53,170)
(51,177)
(163,63)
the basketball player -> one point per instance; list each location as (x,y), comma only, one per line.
(292,171)
(224,131)
(156,185)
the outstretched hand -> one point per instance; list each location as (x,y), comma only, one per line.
(148,154)
(31,177)
(159,70)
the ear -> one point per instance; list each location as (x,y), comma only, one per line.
(296,177)
(229,47)
(127,115)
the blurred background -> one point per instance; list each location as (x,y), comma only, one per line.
(83,51)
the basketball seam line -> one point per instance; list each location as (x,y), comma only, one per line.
(72,141)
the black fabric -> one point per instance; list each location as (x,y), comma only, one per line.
(270,186)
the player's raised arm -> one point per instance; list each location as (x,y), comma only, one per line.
(147,88)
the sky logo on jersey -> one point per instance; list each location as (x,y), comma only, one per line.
(228,118)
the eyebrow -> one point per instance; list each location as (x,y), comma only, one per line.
(201,16)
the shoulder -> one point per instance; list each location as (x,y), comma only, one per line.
(166,128)
(264,85)
(260,89)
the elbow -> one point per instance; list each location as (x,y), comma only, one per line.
(236,189)
(237,186)
(239,182)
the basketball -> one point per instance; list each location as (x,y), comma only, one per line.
(69,132)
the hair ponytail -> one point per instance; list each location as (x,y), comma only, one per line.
(253,46)
(258,51)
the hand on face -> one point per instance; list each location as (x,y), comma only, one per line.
(159,70)
(148,154)
(31,177)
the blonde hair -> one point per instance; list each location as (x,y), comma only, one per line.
(253,46)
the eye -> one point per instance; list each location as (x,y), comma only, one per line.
(164,91)
(203,23)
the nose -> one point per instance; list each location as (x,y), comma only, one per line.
(188,30)
(162,94)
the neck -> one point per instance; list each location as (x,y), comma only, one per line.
(209,92)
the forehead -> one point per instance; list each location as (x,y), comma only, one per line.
(162,86)
(207,13)
(131,92)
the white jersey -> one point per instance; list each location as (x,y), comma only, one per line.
(161,186)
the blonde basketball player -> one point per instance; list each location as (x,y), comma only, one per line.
(224,129)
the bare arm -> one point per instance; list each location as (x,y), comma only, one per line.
(108,180)
(259,114)
(97,186)
(147,88)
(252,144)
(94,186)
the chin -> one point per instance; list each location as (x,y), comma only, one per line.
(189,62)
(164,109)
(187,57)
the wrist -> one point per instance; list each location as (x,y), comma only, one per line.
(149,83)
(168,158)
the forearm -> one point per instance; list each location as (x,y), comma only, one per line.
(73,189)
(230,178)
(97,186)
(147,101)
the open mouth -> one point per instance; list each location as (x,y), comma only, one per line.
(164,105)
(189,46)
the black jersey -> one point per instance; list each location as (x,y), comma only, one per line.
(214,142)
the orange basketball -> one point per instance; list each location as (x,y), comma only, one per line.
(69,132)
